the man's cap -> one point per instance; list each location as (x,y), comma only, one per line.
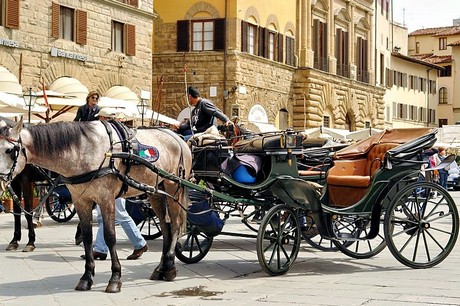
(193,91)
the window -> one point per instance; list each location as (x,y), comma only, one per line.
(252,38)
(447,72)
(341,52)
(443,95)
(326,121)
(362,59)
(264,42)
(130,2)
(9,13)
(200,35)
(367,124)
(68,23)
(443,43)
(271,45)
(320,45)
(442,122)
(123,38)
(417,47)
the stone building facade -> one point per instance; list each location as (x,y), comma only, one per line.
(98,43)
(299,64)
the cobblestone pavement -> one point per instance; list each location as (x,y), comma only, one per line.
(229,275)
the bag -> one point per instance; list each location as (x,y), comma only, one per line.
(207,220)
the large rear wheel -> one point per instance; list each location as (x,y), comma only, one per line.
(278,240)
(421,225)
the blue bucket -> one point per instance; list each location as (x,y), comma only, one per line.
(208,221)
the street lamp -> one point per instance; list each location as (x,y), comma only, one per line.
(29,100)
(142,109)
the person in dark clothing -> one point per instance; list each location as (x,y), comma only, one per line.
(89,111)
(202,116)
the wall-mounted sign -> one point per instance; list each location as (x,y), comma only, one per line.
(9,43)
(61,53)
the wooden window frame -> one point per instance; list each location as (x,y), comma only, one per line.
(443,98)
(443,43)
(185,35)
(79,24)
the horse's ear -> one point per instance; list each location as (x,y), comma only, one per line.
(17,128)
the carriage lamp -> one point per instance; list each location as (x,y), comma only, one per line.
(29,100)
(142,109)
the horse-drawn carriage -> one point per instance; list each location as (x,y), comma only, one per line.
(371,195)
(371,198)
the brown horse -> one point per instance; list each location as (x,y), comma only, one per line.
(78,151)
(23,187)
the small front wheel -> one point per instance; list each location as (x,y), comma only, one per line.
(421,225)
(59,206)
(278,240)
(193,246)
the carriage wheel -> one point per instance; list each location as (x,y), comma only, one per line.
(278,240)
(150,226)
(311,235)
(57,210)
(193,246)
(421,228)
(356,228)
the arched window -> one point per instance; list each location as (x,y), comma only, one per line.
(443,95)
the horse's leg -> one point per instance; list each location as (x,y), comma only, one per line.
(14,243)
(166,269)
(84,211)
(108,219)
(28,194)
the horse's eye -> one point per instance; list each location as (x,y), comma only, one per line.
(9,151)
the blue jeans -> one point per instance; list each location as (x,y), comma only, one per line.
(124,219)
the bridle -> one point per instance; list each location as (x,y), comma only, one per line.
(14,154)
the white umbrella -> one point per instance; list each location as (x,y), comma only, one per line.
(325,132)
(14,104)
(362,134)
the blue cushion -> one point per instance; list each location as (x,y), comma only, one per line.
(242,175)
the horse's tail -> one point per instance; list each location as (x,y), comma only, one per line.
(185,204)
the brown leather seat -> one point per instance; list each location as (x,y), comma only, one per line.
(349,180)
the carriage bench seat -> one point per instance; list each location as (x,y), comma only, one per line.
(348,180)
(262,144)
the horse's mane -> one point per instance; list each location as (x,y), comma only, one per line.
(56,137)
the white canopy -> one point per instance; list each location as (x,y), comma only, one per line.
(325,132)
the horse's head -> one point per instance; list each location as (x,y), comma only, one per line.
(10,147)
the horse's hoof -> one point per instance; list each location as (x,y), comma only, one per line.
(170,275)
(29,248)
(84,285)
(113,287)
(13,246)
(157,275)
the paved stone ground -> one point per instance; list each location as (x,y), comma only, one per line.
(229,275)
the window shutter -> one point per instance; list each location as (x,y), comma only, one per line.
(261,41)
(324,41)
(12,14)
(55,8)
(183,35)
(82,24)
(266,42)
(219,34)
(316,42)
(290,46)
(280,47)
(244,36)
(130,39)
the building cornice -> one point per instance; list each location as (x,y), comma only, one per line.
(130,8)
